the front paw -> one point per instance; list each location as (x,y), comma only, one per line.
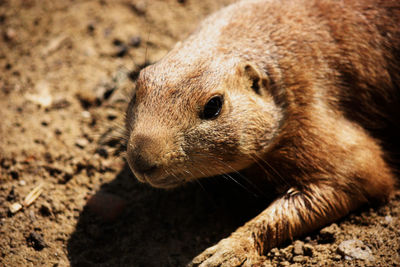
(228,252)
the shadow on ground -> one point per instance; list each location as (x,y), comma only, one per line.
(161,228)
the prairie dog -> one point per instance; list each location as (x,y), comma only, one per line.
(305,91)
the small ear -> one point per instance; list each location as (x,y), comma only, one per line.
(258,79)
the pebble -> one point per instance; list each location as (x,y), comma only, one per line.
(15,207)
(388,220)
(298,258)
(337,258)
(327,234)
(11,195)
(355,249)
(121,50)
(36,241)
(87,98)
(10,34)
(138,6)
(104,90)
(42,96)
(86,114)
(45,210)
(298,248)
(81,142)
(308,250)
(102,152)
(135,41)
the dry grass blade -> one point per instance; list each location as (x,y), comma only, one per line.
(33,195)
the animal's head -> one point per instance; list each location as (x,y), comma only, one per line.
(199,120)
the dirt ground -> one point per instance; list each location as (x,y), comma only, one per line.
(66,68)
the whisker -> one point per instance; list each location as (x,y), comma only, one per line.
(220,162)
(258,158)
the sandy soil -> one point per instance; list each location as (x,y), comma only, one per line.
(66,68)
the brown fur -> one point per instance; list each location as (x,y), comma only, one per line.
(311,100)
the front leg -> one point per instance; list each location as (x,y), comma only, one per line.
(293,214)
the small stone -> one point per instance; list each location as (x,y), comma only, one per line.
(102,152)
(337,258)
(135,41)
(298,259)
(138,6)
(388,220)
(32,215)
(36,241)
(121,51)
(104,90)
(327,234)
(112,115)
(308,250)
(81,142)
(11,195)
(90,28)
(45,210)
(284,263)
(57,131)
(22,182)
(15,207)
(10,34)
(355,249)
(298,248)
(14,174)
(87,98)
(42,96)
(86,114)
(275,252)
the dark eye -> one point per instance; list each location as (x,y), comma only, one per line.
(213,108)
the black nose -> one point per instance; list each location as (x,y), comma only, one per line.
(142,165)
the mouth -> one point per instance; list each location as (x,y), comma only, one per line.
(160,180)
(165,182)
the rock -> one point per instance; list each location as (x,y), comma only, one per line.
(298,248)
(121,50)
(42,96)
(10,35)
(138,6)
(355,249)
(36,241)
(135,41)
(388,220)
(308,250)
(11,195)
(337,258)
(102,152)
(15,207)
(45,210)
(298,259)
(81,142)
(87,98)
(328,234)
(14,174)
